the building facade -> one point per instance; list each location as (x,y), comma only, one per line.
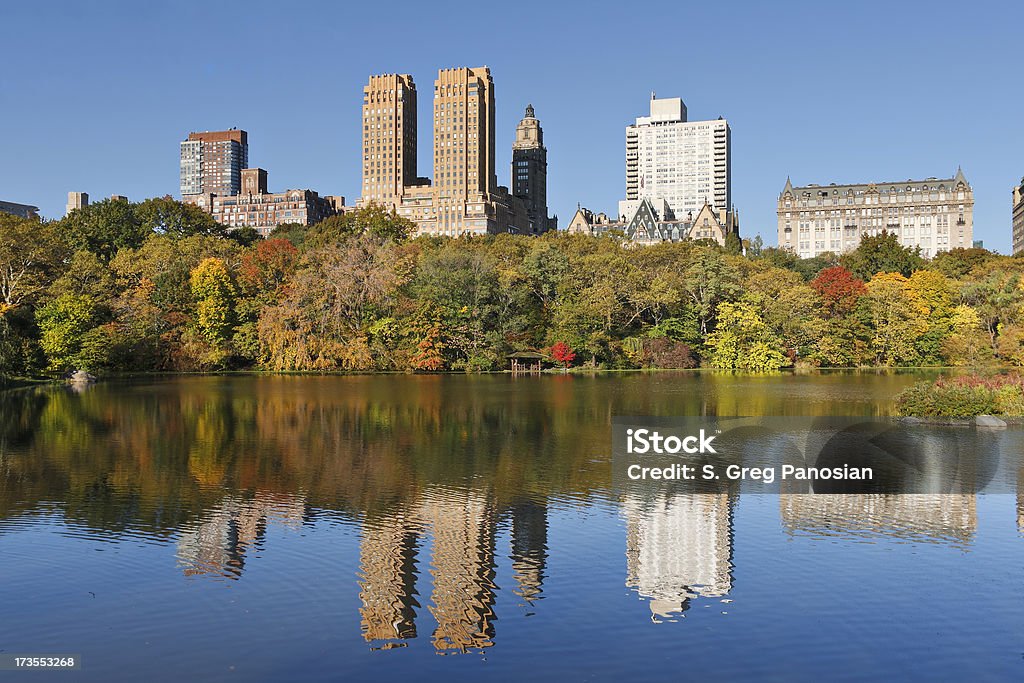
(212,162)
(530,172)
(21,210)
(934,214)
(256,207)
(464,196)
(685,163)
(1018,218)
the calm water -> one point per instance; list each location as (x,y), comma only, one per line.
(353,528)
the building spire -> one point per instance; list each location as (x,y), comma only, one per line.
(529,112)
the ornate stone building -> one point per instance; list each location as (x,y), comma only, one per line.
(530,172)
(934,214)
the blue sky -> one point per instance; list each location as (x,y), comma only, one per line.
(96,96)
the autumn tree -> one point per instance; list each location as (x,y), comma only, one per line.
(899,316)
(213,294)
(839,290)
(562,353)
(742,340)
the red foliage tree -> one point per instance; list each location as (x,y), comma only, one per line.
(839,289)
(269,264)
(561,352)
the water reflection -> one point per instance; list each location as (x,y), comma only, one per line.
(437,473)
(218,545)
(947,518)
(679,547)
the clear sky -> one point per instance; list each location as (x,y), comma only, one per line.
(97,96)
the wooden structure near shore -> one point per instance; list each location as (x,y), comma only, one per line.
(526,362)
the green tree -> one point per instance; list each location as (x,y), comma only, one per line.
(104,227)
(63,324)
(166,216)
(881,253)
(708,280)
(374,220)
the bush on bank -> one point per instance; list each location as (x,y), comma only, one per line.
(964,397)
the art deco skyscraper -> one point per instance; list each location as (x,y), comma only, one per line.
(464,170)
(530,171)
(212,162)
(464,197)
(389,138)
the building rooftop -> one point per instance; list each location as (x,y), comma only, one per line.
(881,187)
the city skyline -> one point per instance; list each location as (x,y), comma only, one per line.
(894,123)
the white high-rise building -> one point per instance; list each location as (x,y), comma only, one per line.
(683,163)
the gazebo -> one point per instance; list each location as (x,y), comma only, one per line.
(526,362)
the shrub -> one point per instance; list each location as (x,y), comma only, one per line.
(667,353)
(964,397)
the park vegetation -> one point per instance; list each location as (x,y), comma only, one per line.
(159,286)
(964,396)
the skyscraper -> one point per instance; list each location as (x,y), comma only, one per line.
(389,138)
(530,172)
(685,163)
(212,162)
(464,196)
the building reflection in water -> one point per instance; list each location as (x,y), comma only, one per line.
(678,546)
(529,549)
(218,546)
(1020,500)
(387,561)
(462,525)
(462,567)
(941,517)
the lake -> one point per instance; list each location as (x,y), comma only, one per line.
(443,527)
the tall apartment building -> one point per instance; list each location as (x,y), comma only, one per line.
(933,214)
(76,200)
(464,196)
(685,163)
(212,162)
(389,137)
(530,172)
(1018,218)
